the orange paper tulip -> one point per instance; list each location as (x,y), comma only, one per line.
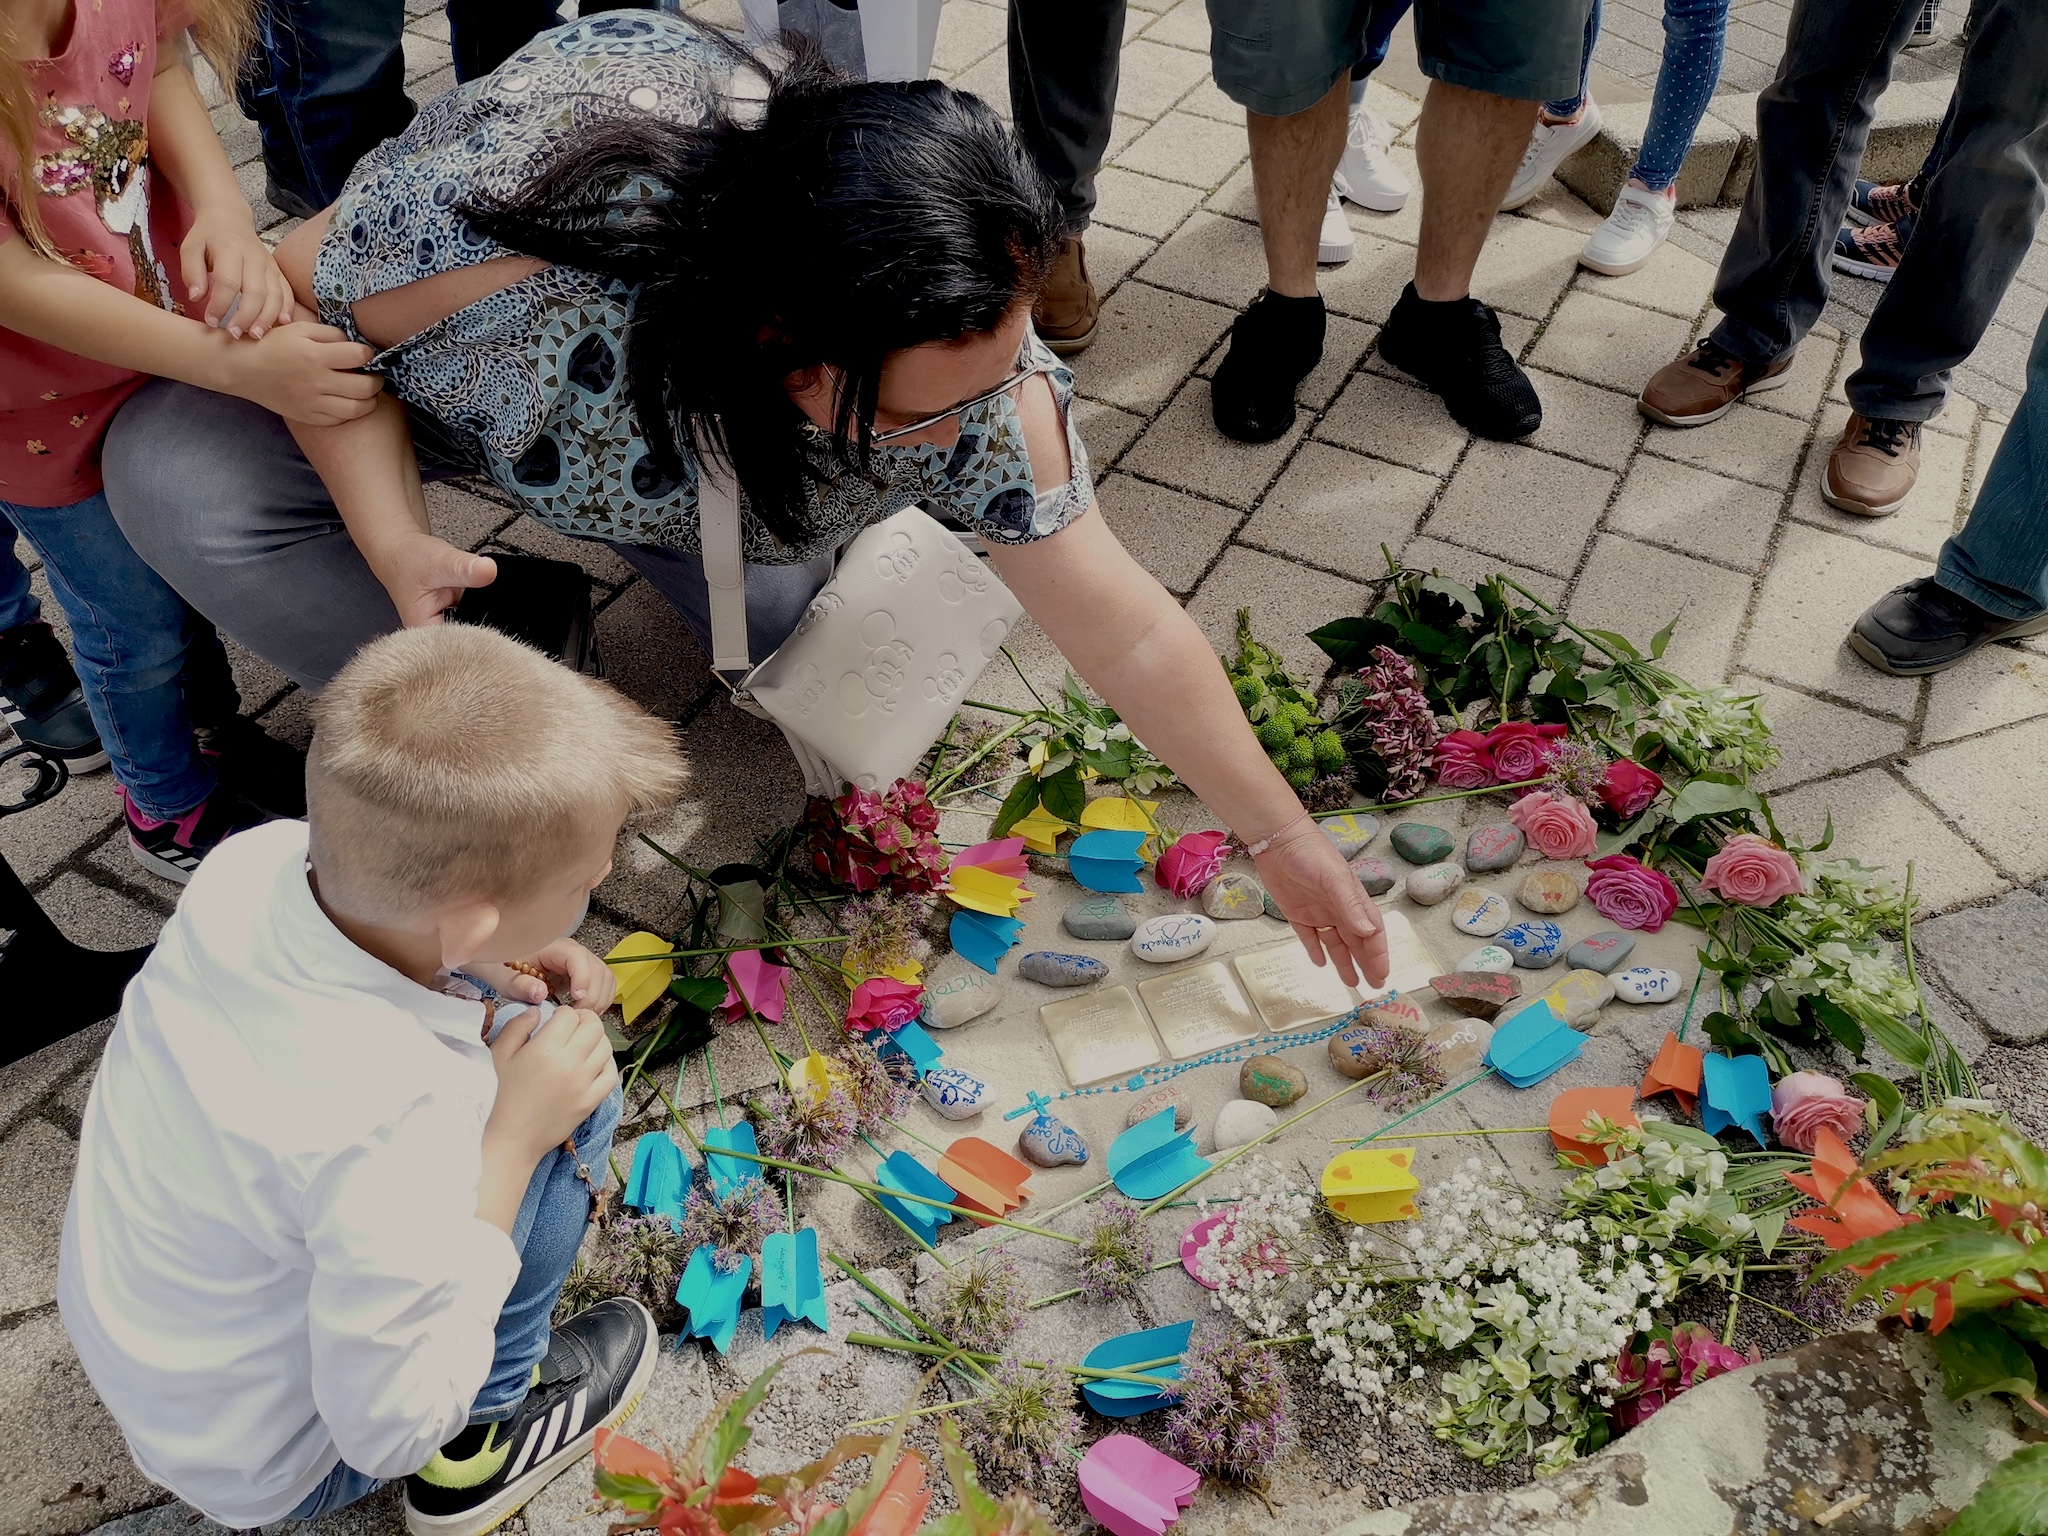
(1853,1207)
(1676,1071)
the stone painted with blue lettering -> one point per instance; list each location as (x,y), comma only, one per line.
(1645,984)
(955,1094)
(1534,945)
(1174,936)
(1052,1143)
(1052,968)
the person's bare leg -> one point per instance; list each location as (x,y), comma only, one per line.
(1293,159)
(1468,146)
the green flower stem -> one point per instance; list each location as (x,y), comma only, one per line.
(1046,1301)
(1011,657)
(1758,1301)
(1402,805)
(689,869)
(859,1277)
(958,771)
(1000,709)
(1086,1372)
(918,1413)
(1236,1152)
(728,951)
(1425,1108)
(1734,1304)
(1498,1130)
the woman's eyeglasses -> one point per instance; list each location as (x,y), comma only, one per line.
(896,434)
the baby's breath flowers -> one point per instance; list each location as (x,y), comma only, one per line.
(1116,1252)
(1232,1419)
(981,1302)
(1022,1421)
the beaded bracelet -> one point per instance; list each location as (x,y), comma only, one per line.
(1255,849)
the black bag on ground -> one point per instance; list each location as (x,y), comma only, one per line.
(545,603)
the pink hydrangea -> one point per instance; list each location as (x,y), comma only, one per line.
(1191,863)
(1462,761)
(1629,894)
(1752,871)
(1557,826)
(1804,1104)
(1647,1381)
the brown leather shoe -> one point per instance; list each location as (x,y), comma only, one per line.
(1875,462)
(1065,313)
(1704,385)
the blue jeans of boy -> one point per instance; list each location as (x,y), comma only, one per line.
(547,1232)
(1694,34)
(131,636)
(1999,560)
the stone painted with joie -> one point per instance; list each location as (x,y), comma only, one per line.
(1645,984)
(1173,936)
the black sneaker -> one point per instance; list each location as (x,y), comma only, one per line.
(1884,202)
(268,773)
(1873,250)
(1923,627)
(1454,347)
(41,698)
(597,1365)
(173,849)
(1274,345)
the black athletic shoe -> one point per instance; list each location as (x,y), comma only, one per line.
(268,773)
(41,698)
(173,849)
(1921,628)
(1454,347)
(1274,345)
(597,1365)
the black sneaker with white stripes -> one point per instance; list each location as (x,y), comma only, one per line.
(597,1365)
(41,698)
(173,849)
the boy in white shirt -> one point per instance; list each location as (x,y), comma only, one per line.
(319,1225)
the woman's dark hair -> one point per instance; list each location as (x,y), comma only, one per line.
(835,223)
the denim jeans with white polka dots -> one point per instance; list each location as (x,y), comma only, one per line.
(1694,31)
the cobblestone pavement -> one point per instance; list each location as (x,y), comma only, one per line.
(1622,522)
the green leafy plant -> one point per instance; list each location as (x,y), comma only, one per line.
(1283,713)
(1069,745)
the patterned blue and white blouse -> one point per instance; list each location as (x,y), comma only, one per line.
(535,373)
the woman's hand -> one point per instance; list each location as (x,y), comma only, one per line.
(425,575)
(1320,894)
(305,372)
(224,259)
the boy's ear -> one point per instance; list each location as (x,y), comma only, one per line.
(465,930)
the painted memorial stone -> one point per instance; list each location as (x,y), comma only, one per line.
(1420,843)
(955,1094)
(951,1001)
(1355,1049)
(1645,984)
(1481,913)
(1548,891)
(1231,897)
(1158,1099)
(1351,832)
(1477,994)
(1460,1047)
(1173,936)
(1240,1121)
(1052,1143)
(1601,952)
(1376,875)
(1271,1080)
(1099,918)
(1433,882)
(1534,945)
(1487,957)
(1580,995)
(1052,968)
(1493,847)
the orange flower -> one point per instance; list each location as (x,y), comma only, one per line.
(1854,1208)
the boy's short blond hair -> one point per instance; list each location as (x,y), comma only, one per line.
(450,762)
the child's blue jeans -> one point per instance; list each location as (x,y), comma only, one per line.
(130,635)
(1695,32)
(547,1231)
(1999,559)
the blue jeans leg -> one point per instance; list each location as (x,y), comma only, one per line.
(129,635)
(1570,108)
(1694,34)
(1999,560)
(326,84)
(18,601)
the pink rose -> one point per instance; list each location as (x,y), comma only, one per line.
(1521,750)
(1191,863)
(1628,788)
(1559,826)
(1805,1103)
(1462,761)
(881,1002)
(1630,894)
(1752,871)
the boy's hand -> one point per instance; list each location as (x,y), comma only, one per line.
(226,260)
(305,372)
(572,972)
(550,1081)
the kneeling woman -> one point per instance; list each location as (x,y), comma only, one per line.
(629,250)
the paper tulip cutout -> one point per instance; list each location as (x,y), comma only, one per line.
(1854,1208)
(1676,1071)
(985,1177)
(1369,1184)
(658,1178)
(1533,1044)
(1106,861)
(1152,1158)
(791,1285)
(1194,860)
(1041,830)
(911,1042)
(712,1297)
(901,1171)
(1129,1351)
(755,984)
(813,1076)
(729,1173)
(640,985)
(1131,1489)
(880,1003)
(983,890)
(1215,1229)
(1570,1111)
(1003,856)
(983,940)
(1119,813)
(1738,1092)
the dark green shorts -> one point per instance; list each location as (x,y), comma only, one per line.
(1278,57)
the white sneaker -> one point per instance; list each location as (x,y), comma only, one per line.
(1630,237)
(1335,245)
(1367,174)
(1549,147)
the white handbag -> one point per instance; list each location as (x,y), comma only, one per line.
(882,657)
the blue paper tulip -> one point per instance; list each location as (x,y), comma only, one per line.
(658,1177)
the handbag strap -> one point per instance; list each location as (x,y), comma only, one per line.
(725,572)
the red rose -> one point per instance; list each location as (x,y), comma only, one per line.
(1462,761)
(1521,750)
(1628,788)
(1629,894)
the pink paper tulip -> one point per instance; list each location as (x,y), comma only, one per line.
(1557,826)
(1191,863)
(1752,871)
(1805,1103)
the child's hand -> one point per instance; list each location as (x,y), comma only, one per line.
(226,260)
(305,372)
(550,1081)
(572,971)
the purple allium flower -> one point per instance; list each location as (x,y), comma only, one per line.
(982,1302)
(1409,1061)
(1232,1419)
(736,1226)
(637,1256)
(1023,1421)
(1576,770)
(880,1090)
(1116,1253)
(798,1128)
(884,931)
